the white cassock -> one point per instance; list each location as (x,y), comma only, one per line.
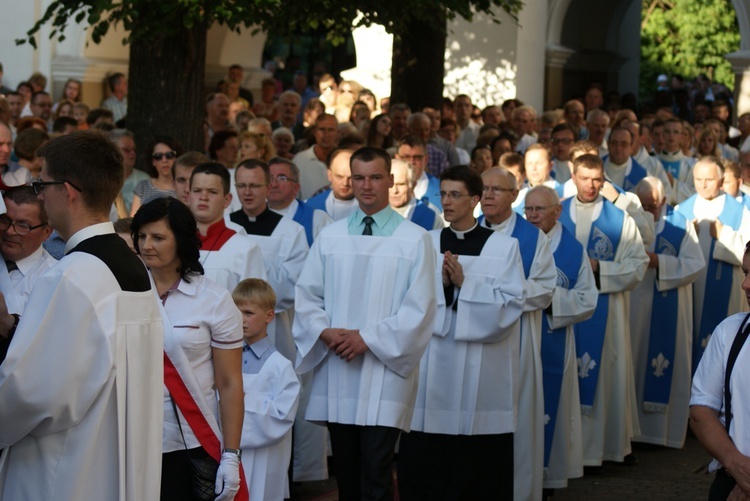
(271,400)
(726,251)
(612,420)
(239,258)
(528,450)
(569,306)
(667,425)
(478,340)
(384,287)
(681,168)
(82,383)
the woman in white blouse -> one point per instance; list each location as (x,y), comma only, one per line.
(208,327)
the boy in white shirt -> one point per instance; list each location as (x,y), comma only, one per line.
(271,396)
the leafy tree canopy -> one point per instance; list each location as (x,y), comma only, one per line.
(687,37)
(153,18)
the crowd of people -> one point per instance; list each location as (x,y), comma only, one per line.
(503,298)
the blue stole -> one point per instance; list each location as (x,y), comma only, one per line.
(637,172)
(604,238)
(663,331)
(568,258)
(527,235)
(319,200)
(671,166)
(304,216)
(423,216)
(718,276)
(432,194)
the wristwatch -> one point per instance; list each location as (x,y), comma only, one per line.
(236,452)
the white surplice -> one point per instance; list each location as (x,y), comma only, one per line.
(477,341)
(82,387)
(674,272)
(384,287)
(569,306)
(613,420)
(239,258)
(271,399)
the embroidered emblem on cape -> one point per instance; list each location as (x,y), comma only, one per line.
(585,364)
(665,247)
(562,280)
(603,250)
(660,364)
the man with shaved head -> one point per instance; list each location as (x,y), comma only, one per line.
(573,301)
(498,193)
(619,262)
(723,227)
(661,321)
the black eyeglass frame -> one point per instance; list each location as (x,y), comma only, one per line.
(38,186)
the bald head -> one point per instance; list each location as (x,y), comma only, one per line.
(542,207)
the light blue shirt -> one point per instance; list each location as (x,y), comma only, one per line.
(255,355)
(386,222)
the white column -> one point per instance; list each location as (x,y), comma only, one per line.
(740,62)
(557,56)
(530,54)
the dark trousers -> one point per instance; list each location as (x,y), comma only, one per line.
(722,486)
(176,480)
(363,460)
(455,467)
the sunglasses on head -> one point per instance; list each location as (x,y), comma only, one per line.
(170,155)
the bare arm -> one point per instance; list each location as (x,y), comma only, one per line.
(713,436)
(228,380)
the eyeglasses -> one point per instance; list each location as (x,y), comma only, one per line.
(252,186)
(411,158)
(453,195)
(537,208)
(21,228)
(39,186)
(169,155)
(281,178)
(496,190)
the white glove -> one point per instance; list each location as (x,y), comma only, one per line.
(227,477)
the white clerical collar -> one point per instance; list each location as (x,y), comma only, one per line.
(461,235)
(90,231)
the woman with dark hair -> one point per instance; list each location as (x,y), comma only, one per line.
(203,352)
(161,154)
(224,148)
(380,134)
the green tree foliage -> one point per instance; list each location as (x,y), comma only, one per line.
(687,37)
(145,18)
